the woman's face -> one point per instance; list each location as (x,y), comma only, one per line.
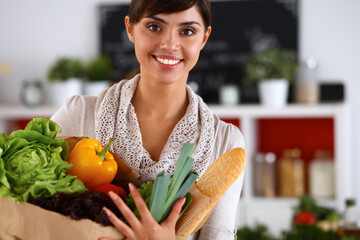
(167,46)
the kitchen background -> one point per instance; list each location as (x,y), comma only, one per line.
(34,33)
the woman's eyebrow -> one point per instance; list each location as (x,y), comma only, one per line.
(189,23)
(157,19)
(165,22)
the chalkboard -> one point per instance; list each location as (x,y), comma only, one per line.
(239,28)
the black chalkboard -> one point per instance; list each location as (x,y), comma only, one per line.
(238,29)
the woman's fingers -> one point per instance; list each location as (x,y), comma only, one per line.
(120,225)
(147,227)
(125,211)
(140,204)
(175,212)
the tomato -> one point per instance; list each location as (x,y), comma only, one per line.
(305,217)
(106,187)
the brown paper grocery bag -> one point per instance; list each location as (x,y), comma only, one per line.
(26,221)
(29,222)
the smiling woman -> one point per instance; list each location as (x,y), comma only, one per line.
(152,115)
(168,42)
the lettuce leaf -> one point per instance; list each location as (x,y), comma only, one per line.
(33,163)
(145,191)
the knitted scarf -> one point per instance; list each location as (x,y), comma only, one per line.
(115,117)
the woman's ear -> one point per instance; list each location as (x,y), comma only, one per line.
(129,29)
(206,37)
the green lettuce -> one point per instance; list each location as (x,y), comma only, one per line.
(145,191)
(33,163)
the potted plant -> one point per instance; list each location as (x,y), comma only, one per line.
(65,78)
(98,75)
(272,69)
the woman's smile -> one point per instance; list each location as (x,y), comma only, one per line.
(168,62)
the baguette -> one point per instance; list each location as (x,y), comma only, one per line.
(207,192)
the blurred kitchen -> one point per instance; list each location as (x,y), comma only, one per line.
(304,151)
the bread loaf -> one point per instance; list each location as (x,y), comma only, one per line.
(207,192)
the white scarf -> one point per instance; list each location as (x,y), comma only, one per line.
(115,117)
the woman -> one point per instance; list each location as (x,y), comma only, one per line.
(151,115)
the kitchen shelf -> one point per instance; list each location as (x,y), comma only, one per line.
(9,111)
(11,114)
(289,202)
(289,111)
(276,212)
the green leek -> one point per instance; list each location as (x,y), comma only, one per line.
(158,195)
(164,195)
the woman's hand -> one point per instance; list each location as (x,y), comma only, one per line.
(147,227)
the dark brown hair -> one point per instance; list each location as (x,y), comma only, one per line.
(138,8)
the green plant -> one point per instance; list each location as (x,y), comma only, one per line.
(309,232)
(258,232)
(65,68)
(271,63)
(307,203)
(99,69)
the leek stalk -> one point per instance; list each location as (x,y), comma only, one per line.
(164,195)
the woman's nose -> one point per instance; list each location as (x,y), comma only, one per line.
(170,42)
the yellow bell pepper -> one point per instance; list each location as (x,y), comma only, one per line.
(92,163)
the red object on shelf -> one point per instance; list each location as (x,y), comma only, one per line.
(234,121)
(305,217)
(21,123)
(307,134)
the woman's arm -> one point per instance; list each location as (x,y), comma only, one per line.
(221,223)
(76,117)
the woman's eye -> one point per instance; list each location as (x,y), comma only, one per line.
(188,32)
(153,27)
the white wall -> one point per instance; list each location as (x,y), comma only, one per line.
(34,32)
(330,32)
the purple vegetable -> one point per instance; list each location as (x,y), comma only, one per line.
(86,205)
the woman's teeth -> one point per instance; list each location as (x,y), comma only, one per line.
(168,61)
